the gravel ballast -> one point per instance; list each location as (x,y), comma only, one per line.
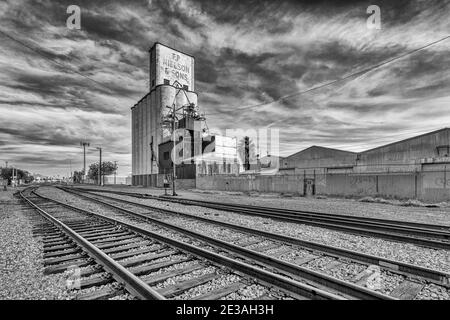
(21,264)
(402,252)
(338,206)
(224,234)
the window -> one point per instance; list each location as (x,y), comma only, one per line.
(166,81)
(153,83)
(166,155)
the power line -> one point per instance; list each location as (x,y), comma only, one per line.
(411,134)
(355,74)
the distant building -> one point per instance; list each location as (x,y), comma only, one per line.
(430,150)
(414,168)
(110,179)
(218,156)
(318,159)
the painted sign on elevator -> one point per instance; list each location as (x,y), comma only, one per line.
(171,67)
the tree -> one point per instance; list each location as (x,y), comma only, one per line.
(78,176)
(108,168)
(7,174)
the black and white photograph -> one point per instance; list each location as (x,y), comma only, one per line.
(238,158)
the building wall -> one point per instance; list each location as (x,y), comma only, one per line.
(431,185)
(247,183)
(318,158)
(146,118)
(157,180)
(404,155)
(168,64)
(119,180)
(216,167)
(402,186)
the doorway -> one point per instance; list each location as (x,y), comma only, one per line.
(309,187)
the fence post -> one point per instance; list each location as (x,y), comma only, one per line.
(445,176)
(415,185)
(377,188)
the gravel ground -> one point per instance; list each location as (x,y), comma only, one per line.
(389,281)
(178,266)
(248,293)
(403,252)
(328,205)
(433,292)
(125,296)
(21,263)
(214,284)
(184,277)
(111,286)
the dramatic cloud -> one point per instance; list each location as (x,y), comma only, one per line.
(253,60)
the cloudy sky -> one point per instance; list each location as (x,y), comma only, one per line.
(59,86)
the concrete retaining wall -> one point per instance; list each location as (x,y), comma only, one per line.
(157,180)
(426,186)
(387,185)
(280,184)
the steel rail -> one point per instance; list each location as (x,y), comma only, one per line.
(292,286)
(362,228)
(187,201)
(345,287)
(436,276)
(132,283)
(356,221)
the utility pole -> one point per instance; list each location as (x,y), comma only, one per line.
(84,144)
(70,166)
(100,182)
(115,171)
(174,151)
(151,159)
(13,178)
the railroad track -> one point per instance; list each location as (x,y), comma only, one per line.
(413,278)
(427,235)
(115,257)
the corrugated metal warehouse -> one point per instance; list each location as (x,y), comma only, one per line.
(412,168)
